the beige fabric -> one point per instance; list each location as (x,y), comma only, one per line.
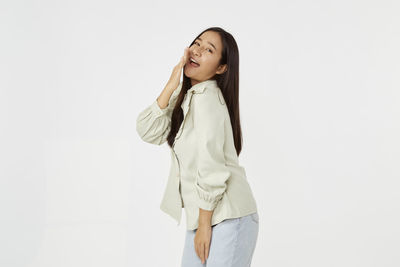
(205,171)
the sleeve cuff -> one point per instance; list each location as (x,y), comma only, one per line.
(208,204)
(156,108)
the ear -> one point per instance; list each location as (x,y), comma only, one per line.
(221,69)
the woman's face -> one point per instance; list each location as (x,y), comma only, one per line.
(206,51)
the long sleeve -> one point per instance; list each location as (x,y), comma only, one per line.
(154,123)
(212,173)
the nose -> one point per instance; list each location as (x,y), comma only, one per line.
(195,51)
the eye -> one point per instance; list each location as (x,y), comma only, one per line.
(199,45)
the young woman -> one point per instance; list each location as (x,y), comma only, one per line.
(199,119)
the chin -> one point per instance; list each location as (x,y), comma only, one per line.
(193,74)
(189,73)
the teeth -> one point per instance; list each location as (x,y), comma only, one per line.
(193,60)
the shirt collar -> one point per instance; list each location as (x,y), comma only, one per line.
(199,87)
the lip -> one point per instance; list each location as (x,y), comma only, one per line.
(190,64)
(194,60)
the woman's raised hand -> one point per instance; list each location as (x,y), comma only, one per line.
(175,78)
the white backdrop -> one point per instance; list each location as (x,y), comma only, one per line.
(320,110)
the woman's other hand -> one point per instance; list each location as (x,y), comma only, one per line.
(202,241)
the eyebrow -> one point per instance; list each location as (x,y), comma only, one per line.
(208,42)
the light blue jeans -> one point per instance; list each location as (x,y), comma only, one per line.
(232,244)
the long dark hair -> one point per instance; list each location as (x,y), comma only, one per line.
(228,82)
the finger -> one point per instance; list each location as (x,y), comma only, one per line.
(207,248)
(180,64)
(197,251)
(202,253)
(183,59)
(186,54)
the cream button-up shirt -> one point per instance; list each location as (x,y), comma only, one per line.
(205,172)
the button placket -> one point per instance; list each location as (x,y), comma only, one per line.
(186,107)
(178,176)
